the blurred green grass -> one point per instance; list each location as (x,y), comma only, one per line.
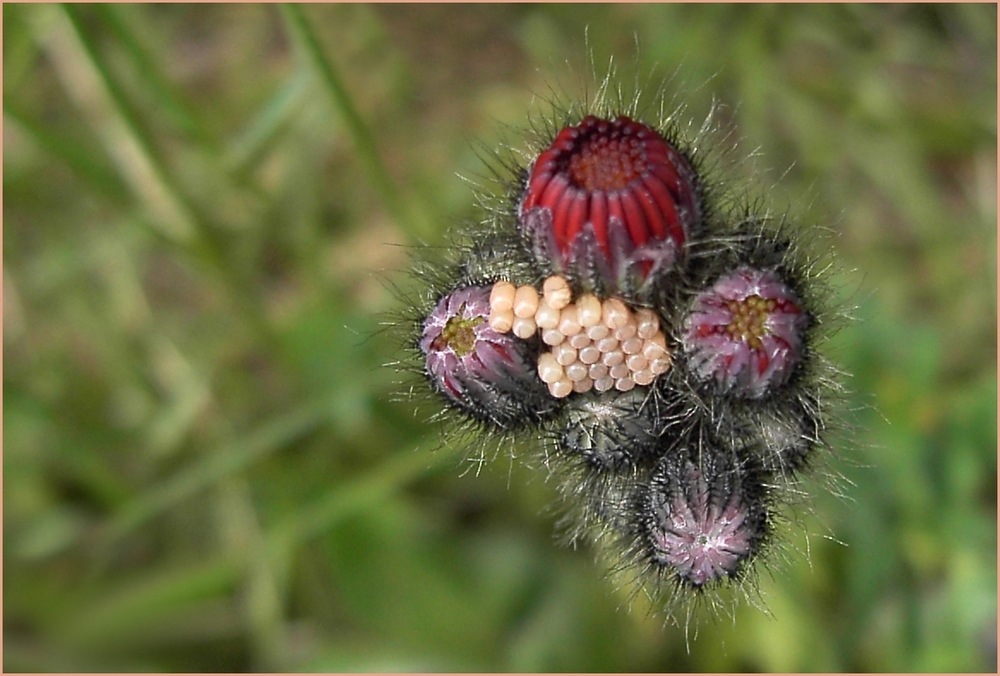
(203,467)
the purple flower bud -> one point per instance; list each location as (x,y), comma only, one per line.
(706,518)
(487,373)
(745,332)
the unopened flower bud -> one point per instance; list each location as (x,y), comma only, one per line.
(745,333)
(483,371)
(613,196)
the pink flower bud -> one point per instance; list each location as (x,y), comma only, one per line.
(490,374)
(705,519)
(745,332)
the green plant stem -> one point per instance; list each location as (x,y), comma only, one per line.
(185,224)
(305,38)
(188,223)
(170,100)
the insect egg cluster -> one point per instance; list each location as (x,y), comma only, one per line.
(593,344)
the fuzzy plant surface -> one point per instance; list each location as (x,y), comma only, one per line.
(646,333)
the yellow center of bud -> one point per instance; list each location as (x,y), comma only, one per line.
(749,317)
(459,334)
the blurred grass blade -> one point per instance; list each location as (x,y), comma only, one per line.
(137,605)
(216,464)
(253,142)
(75,155)
(305,38)
(168,98)
(88,78)
(349,497)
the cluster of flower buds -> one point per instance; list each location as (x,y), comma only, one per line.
(657,342)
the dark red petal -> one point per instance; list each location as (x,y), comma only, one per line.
(667,174)
(599,217)
(553,192)
(657,153)
(634,218)
(535,189)
(560,217)
(565,139)
(665,204)
(577,215)
(615,209)
(654,215)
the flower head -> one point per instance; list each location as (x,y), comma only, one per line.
(658,343)
(485,372)
(612,196)
(745,333)
(612,432)
(705,518)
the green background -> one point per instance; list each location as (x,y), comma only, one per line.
(205,208)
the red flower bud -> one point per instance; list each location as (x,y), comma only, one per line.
(612,196)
